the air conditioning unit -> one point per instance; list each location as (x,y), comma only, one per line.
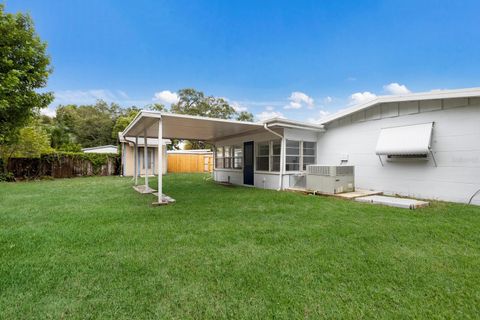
(330,179)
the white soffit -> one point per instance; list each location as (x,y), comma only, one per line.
(405,140)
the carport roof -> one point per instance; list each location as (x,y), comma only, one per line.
(179,126)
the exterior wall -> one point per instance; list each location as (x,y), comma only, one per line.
(128,160)
(262,179)
(455,142)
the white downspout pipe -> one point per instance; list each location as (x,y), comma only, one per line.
(135,152)
(282,155)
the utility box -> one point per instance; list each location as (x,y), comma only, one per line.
(330,179)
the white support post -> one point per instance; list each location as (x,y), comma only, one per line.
(283,146)
(160,160)
(145,157)
(135,152)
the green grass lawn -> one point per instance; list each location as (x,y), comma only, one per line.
(93,248)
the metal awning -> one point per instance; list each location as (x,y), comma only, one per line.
(179,126)
(405,140)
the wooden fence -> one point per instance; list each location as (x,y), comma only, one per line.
(186,162)
(63,166)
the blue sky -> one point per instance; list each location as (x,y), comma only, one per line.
(299,59)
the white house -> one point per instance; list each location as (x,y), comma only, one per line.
(425,145)
(134,154)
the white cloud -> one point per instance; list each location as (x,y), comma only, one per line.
(123,94)
(268,114)
(361,97)
(83,96)
(293,105)
(298,99)
(322,114)
(270,108)
(50,111)
(237,106)
(327,100)
(351,79)
(166,97)
(396,88)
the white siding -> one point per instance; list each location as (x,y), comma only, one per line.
(455,142)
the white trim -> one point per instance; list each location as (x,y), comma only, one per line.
(235,170)
(266,172)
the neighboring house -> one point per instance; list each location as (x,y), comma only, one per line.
(425,145)
(195,160)
(128,155)
(101,149)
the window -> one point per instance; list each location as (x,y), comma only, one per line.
(219,158)
(237,157)
(298,154)
(308,154)
(276,146)
(292,162)
(227,158)
(263,153)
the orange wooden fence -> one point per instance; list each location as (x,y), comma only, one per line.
(190,162)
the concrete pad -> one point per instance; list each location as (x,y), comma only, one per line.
(143,190)
(346,195)
(394,202)
(165,199)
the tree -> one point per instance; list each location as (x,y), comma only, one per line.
(158,107)
(33,140)
(195,103)
(124,120)
(88,125)
(24,68)
(245,116)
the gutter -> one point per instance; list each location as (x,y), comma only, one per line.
(282,155)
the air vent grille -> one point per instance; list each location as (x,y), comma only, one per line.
(319,170)
(344,170)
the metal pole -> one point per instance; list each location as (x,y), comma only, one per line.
(145,157)
(160,160)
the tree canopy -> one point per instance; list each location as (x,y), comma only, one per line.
(245,116)
(88,125)
(195,103)
(24,68)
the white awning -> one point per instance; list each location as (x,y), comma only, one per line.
(179,126)
(405,140)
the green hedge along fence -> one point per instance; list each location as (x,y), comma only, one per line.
(64,165)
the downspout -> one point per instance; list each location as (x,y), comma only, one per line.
(282,155)
(135,152)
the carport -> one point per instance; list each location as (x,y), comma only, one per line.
(154,124)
